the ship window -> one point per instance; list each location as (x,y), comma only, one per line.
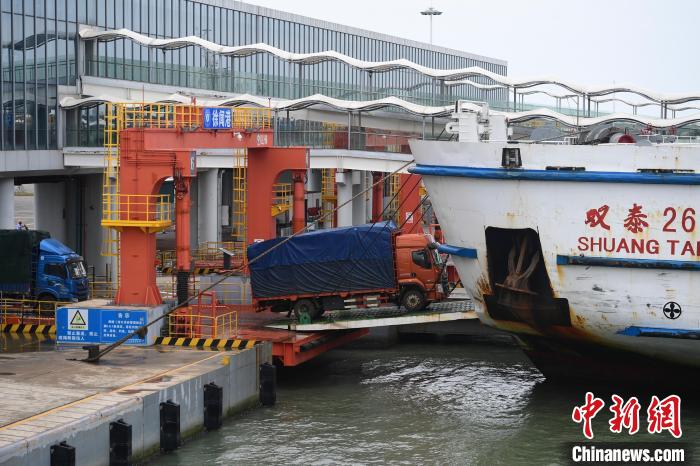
(421,259)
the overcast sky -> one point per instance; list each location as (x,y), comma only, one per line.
(652,44)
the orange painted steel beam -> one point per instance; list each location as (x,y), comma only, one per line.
(265,165)
(294,353)
(409,200)
(150,155)
(299,206)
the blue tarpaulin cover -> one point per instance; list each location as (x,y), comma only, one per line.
(324,261)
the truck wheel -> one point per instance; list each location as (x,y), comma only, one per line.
(305,311)
(413,300)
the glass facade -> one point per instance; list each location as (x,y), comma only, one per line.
(261,74)
(40,46)
(38,54)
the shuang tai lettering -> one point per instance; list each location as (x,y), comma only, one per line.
(636,221)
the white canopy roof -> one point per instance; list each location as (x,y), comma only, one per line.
(390,102)
(452,77)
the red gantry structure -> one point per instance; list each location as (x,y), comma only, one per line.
(149,143)
(149,155)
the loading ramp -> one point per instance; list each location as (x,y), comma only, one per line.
(385,316)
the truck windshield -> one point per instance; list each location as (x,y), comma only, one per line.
(77,269)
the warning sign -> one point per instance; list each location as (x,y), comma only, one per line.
(77,320)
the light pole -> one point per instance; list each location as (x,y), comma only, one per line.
(431,12)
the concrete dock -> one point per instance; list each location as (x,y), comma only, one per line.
(51,397)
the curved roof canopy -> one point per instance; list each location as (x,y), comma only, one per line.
(393,102)
(452,77)
(283,105)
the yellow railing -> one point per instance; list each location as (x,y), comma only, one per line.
(281,198)
(228,292)
(211,250)
(208,254)
(140,210)
(101,289)
(28,311)
(195,325)
(393,208)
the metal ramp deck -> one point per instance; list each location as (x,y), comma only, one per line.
(381,317)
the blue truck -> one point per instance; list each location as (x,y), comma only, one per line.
(33,265)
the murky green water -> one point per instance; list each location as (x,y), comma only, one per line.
(413,404)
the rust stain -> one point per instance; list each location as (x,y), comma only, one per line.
(483,287)
(560,273)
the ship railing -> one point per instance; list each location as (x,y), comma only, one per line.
(669,139)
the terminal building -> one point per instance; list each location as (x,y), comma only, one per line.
(64,62)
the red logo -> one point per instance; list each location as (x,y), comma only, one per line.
(587,412)
(665,415)
(595,217)
(635,219)
(662,415)
(625,415)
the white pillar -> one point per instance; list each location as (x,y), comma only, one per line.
(209,200)
(94,233)
(50,209)
(359,212)
(7,203)
(343,180)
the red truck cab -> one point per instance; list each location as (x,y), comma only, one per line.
(419,271)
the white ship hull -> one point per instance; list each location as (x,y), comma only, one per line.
(608,281)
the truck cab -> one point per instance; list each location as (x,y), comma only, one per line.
(420,271)
(61,273)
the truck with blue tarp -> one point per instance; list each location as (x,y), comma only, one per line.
(34,265)
(340,268)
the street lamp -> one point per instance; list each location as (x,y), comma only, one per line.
(431,12)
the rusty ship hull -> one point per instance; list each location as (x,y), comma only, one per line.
(576,250)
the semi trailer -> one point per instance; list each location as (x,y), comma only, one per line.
(337,268)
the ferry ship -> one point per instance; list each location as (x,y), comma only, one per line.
(588,253)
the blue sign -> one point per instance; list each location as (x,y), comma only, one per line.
(84,325)
(217,118)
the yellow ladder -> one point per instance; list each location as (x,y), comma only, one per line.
(239,226)
(329,196)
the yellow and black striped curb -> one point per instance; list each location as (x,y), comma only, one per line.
(40,329)
(195,271)
(216,343)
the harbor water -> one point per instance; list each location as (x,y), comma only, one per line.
(419,403)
